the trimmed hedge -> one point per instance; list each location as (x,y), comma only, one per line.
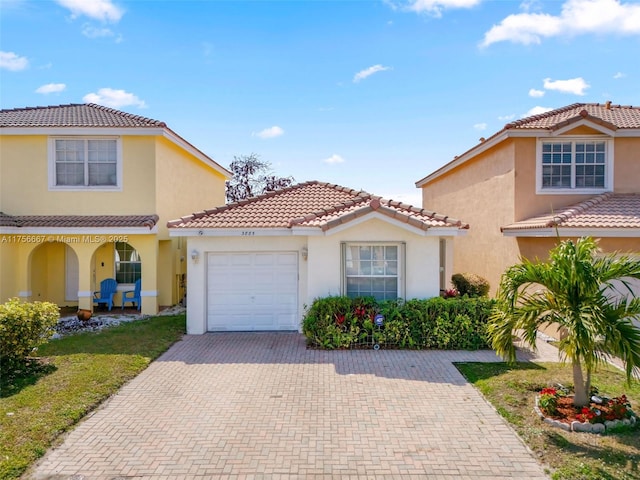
(23,327)
(470,284)
(435,323)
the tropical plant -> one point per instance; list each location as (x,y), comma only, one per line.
(571,291)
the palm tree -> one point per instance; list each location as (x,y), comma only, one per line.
(572,291)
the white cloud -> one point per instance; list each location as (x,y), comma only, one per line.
(480,126)
(114,98)
(577,17)
(103,10)
(367,72)
(51,88)
(335,158)
(433,7)
(536,111)
(619,75)
(536,93)
(506,118)
(577,86)
(96,32)
(13,62)
(270,132)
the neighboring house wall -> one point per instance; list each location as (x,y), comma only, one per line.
(497,187)
(533,248)
(159,174)
(24,185)
(526,201)
(183,184)
(482,191)
(627,165)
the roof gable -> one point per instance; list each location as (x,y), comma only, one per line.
(89,118)
(311,206)
(604,118)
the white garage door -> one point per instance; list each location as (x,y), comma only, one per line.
(252,291)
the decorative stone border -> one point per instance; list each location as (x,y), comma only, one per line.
(576,426)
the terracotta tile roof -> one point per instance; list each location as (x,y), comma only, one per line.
(90,115)
(310,204)
(78,221)
(609,210)
(613,117)
(616,116)
(73,115)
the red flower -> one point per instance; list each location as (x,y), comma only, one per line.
(340,318)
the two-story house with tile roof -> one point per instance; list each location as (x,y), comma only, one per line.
(85,194)
(570,172)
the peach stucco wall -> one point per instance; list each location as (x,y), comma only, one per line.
(626,175)
(498,187)
(538,248)
(480,194)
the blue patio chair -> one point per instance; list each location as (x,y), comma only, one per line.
(108,288)
(133,296)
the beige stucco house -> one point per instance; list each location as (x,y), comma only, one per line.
(85,194)
(570,172)
(255,264)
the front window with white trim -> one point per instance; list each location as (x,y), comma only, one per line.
(85,163)
(373,270)
(574,165)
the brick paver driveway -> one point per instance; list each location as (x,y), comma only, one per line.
(263,406)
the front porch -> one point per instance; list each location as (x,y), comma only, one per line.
(63,260)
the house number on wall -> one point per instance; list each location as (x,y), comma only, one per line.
(247,233)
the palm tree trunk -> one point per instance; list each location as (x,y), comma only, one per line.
(580,387)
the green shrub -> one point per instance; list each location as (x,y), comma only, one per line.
(23,327)
(470,284)
(436,323)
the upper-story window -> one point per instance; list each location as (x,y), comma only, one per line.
(78,163)
(575,165)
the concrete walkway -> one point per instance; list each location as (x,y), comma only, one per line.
(260,405)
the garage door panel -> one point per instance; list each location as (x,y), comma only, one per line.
(252,291)
(239,260)
(264,260)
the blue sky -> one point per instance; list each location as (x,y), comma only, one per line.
(366,94)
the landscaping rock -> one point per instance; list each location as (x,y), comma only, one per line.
(611,424)
(69,325)
(581,427)
(598,428)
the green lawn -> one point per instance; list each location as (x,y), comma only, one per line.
(575,456)
(71,377)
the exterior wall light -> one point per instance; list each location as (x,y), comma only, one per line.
(304,252)
(194,255)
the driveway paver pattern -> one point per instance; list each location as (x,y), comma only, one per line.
(261,405)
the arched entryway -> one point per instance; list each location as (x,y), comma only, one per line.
(54,274)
